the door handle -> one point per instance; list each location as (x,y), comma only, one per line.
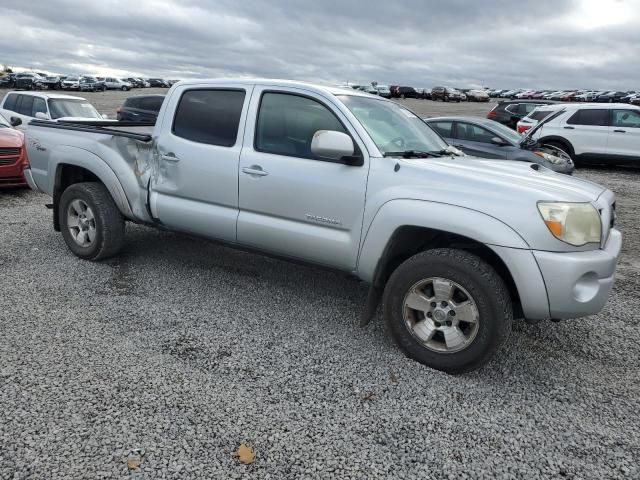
(570,128)
(170,157)
(620,131)
(255,170)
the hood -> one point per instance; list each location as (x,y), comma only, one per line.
(506,190)
(10,138)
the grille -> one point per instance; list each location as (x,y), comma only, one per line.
(12,181)
(8,160)
(9,151)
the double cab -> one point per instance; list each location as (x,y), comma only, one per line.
(453,247)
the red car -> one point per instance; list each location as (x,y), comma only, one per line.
(13,159)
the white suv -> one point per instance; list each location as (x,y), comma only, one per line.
(22,107)
(595,133)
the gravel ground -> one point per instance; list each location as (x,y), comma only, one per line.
(179,350)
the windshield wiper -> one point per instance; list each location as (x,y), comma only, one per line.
(411,154)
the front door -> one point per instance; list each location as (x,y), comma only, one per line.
(195,182)
(292,202)
(475,140)
(623,142)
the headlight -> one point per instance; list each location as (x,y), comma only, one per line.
(573,223)
(551,158)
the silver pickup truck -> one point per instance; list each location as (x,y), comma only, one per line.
(454,246)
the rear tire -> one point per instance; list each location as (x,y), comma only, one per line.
(101,218)
(477,293)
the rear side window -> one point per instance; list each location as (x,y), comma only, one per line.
(26,106)
(287,123)
(443,128)
(10,102)
(626,118)
(539,115)
(151,103)
(589,117)
(209,116)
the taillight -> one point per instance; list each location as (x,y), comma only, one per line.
(523,128)
(492,114)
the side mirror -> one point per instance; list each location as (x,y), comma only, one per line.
(498,141)
(332,144)
(15,121)
(42,116)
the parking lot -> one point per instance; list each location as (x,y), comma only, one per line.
(179,350)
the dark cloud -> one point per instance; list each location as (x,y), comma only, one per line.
(563,44)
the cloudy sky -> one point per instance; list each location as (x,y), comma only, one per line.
(498,43)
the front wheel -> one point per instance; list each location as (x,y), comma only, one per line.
(448,309)
(91,224)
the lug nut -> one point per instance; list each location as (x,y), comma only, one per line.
(448,324)
(444,304)
(429,314)
(437,324)
(434,304)
(452,313)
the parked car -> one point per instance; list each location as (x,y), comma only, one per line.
(29,81)
(509,112)
(8,80)
(158,83)
(52,82)
(140,108)
(446,94)
(22,107)
(636,100)
(376,193)
(91,84)
(405,92)
(592,133)
(588,96)
(134,82)
(629,96)
(384,91)
(610,97)
(484,138)
(12,156)
(72,82)
(537,115)
(474,95)
(113,83)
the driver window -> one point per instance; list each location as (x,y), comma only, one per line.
(287,122)
(626,118)
(473,133)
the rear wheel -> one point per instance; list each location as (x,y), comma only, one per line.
(91,224)
(448,309)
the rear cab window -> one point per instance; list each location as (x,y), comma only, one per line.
(10,102)
(210,116)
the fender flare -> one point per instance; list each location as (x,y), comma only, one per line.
(67,155)
(454,219)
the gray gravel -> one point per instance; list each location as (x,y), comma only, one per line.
(178,350)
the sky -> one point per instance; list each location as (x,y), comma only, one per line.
(421,43)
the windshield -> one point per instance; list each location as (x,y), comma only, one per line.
(71,79)
(506,132)
(392,127)
(72,108)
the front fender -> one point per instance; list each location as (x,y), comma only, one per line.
(462,221)
(67,155)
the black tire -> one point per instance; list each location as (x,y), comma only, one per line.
(489,293)
(109,222)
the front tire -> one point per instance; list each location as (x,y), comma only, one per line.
(92,226)
(424,290)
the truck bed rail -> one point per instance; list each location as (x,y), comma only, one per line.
(98,127)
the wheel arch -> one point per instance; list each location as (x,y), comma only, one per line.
(71,171)
(560,140)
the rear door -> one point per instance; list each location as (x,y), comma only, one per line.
(195,184)
(587,130)
(623,141)
(476,140)
(291,202)
(445,129)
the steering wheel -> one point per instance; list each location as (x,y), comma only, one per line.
(398,142)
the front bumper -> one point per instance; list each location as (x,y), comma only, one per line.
(578,283)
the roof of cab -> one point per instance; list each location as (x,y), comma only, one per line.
(330,89)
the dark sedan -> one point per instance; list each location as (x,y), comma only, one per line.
(611,97)
(140,108)
(486,139)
